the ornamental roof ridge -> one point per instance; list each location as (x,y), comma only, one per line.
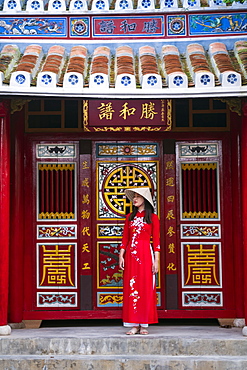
(83,7)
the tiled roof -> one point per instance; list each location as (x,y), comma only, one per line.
(125,70)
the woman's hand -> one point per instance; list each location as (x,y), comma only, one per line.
(155,267)
(121,262)
(156,263)
(121,259)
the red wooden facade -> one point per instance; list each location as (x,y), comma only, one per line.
(67,212)
(90,127)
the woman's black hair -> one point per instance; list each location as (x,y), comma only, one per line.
(149,209)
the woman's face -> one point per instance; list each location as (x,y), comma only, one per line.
(138,200)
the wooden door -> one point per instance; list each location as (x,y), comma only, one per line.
(119,166)
(51,227)
(204,250)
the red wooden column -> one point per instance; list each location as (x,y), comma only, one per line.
(244,202)
(16,243)
(4,213)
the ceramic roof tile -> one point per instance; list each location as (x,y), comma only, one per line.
(162,62)
(8,57)
(171,58)
(240,50)
(77,60)
(54,60)
(31,59)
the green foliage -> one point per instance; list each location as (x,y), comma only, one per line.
(229,2)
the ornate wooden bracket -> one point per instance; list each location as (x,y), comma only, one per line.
(17,104)
(234,104)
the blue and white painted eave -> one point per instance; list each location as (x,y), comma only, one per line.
(112,93)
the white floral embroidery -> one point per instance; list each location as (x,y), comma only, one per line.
(137,224)
(134,293)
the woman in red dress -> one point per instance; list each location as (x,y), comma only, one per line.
(140,262)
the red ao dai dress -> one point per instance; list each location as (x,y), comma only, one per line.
(139,290)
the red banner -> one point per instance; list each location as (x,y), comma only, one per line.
(129,26)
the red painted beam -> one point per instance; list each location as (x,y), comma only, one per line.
(117,314)
(4,208)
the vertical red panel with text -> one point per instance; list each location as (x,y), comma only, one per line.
(170,215)
(171,247)
(85,214)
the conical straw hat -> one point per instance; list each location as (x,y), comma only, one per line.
(144,192)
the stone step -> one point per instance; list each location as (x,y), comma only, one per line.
(150,345)
(108,348)
(122,362)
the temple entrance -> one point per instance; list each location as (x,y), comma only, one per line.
(76,189)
